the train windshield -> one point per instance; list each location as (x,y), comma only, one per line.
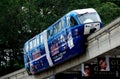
(89,17)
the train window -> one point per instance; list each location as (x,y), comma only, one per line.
(73,22)
(26,48)
(68,21)
(27,58)
(55,28)
(41,40)
(34,42)
(62,23)
(31,45)
(49,33)
(37,41)
(58,27)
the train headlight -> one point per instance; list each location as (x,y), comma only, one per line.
(97,26)
(87,29)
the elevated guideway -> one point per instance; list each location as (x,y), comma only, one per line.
(104,42)
(19,74)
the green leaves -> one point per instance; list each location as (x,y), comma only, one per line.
(108,12)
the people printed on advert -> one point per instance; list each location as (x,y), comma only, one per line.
(86,70)
(103,64)
(58,48)
(54,47)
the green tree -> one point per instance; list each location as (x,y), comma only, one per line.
(117,2)
(10,25)
(108,12)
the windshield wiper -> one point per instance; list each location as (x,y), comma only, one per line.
(83,13)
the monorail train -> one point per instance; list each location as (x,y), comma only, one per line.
(61,41)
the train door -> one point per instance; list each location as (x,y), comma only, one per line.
(27,63)
(48,39)
(27,58)
(69,33)
(74,38)
(59,42)
(62,39)
(39,58)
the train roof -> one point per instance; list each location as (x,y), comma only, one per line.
(75,12)
(81,11)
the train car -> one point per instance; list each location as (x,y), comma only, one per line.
(63,40)
(34,55)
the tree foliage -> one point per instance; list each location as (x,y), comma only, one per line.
(108,12)
(22,19)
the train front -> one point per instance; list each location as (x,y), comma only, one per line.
(90,19)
